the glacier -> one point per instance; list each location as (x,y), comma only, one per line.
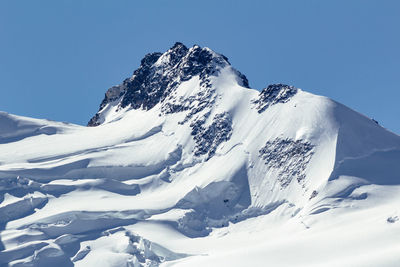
(185,165)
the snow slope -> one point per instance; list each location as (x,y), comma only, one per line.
(187,166)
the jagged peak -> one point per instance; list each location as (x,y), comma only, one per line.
(173,55)
(206,55)
(195,55)
(160,73)
(179,47)
(150,58)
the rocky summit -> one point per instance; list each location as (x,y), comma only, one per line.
(160,74)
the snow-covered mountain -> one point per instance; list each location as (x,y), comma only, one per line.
(185,165)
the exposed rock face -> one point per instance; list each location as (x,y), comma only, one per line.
(195,103)
(273,94)
(209,138)
(159,74)
(288,156)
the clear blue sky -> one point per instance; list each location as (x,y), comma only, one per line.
(57,58)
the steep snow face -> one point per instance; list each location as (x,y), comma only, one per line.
(187,166)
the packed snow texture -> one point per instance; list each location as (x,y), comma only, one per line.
(200,170)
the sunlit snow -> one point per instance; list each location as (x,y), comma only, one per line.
(305,182)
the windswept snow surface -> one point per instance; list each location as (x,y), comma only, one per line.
(223,180)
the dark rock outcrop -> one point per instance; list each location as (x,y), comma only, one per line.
(159,74)
(288,156)
(273,94)
(209,138)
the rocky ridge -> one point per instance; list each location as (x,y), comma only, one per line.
(159,74)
